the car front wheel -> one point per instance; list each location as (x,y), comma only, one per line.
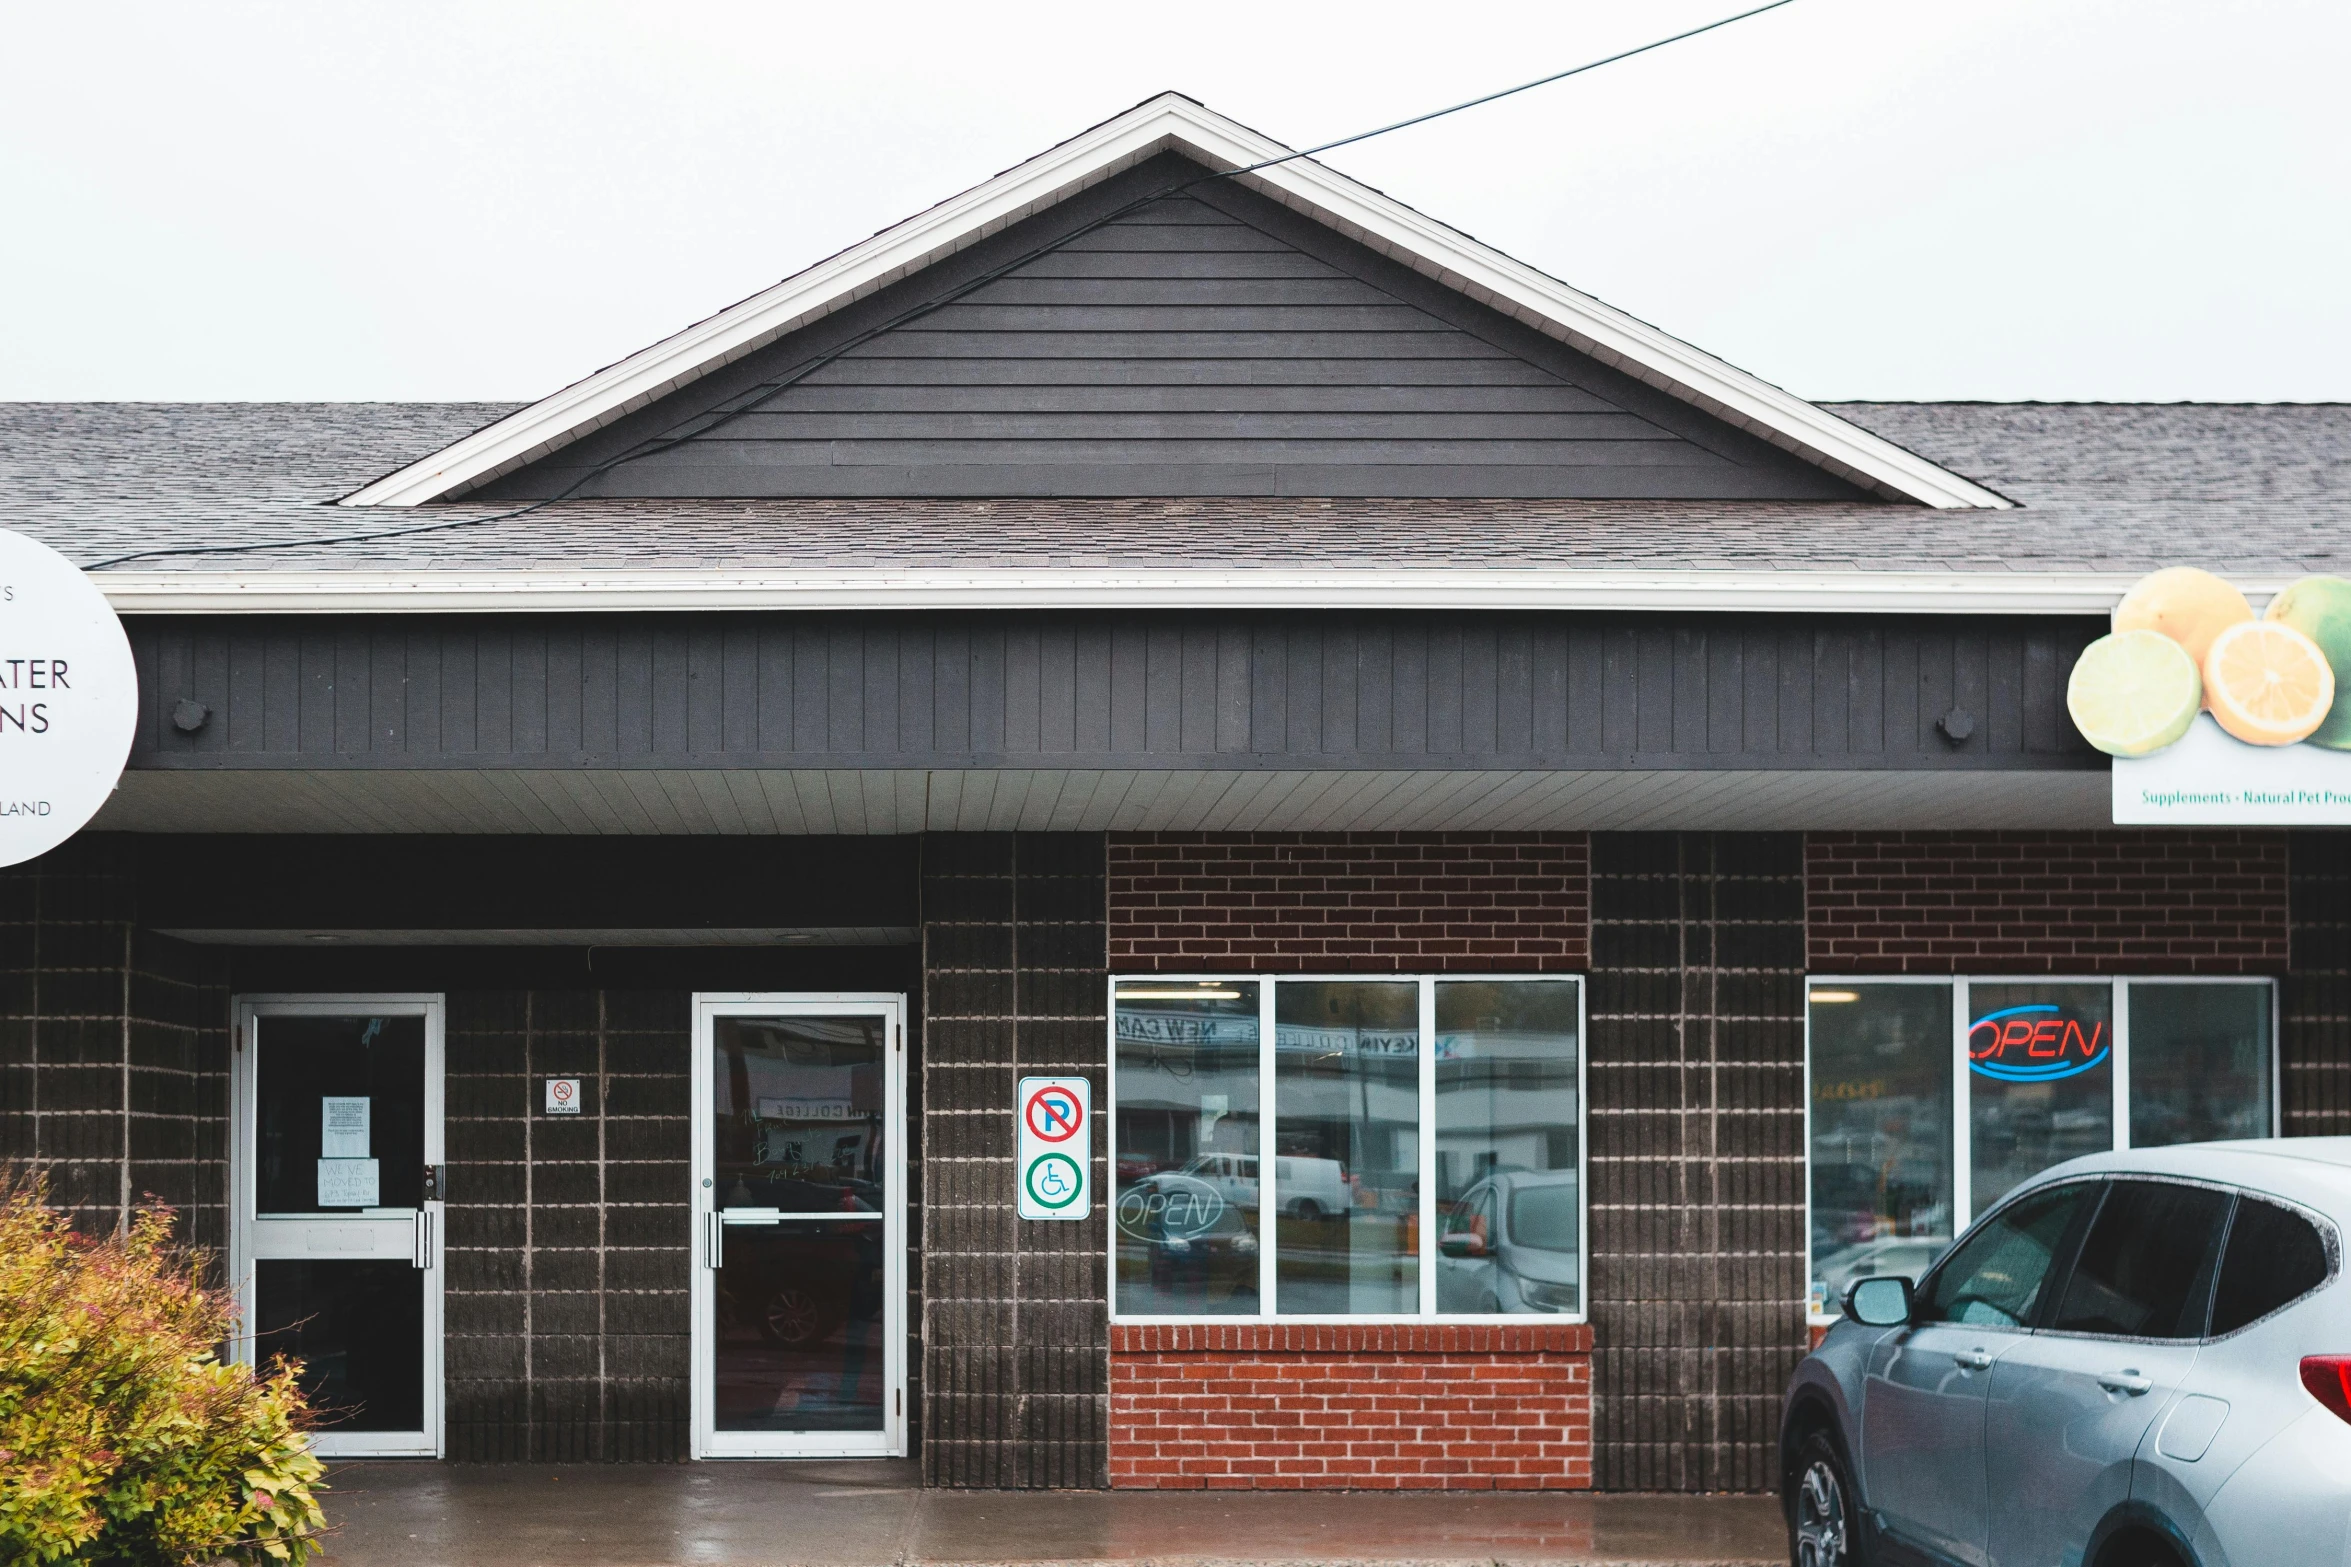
(1821,1528)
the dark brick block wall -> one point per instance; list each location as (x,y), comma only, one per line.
(2198,902)
(566,1298)
(1015,1359)
(1696,1079)
(114,1046)
(1345,902)
(2314,1004)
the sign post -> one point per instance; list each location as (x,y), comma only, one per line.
(1055,1142)
(69,699)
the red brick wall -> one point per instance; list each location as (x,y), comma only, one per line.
(2211,902)
(1262,1406)
(1345,902)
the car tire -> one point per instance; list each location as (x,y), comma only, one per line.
(2139,1550)
(1306,1210)
(792,1318)
(1824,1525)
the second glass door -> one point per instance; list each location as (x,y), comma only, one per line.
(799,1312)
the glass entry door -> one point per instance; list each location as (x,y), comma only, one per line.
(799,1235)
(335,1237)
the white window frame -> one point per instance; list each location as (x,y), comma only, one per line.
(1268,1112)
(2119,987)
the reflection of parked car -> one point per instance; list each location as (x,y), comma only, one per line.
(795,1284)
(1511,1244)
(2135,1360)
(1187,1251)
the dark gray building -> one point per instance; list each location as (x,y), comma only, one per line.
(1515,823)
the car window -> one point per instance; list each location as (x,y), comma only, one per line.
(1996,1275)
(1544,1217)
(2274,1255)
(2145,1267)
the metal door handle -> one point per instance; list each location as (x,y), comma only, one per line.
(2125,1382)
(421,1253)
(718,1239)
(1974,1359)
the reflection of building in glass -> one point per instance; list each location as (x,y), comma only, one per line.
(1881,1132)
(1185,1193)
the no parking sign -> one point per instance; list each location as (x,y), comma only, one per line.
(1054,1144)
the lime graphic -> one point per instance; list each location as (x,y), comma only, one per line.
(1053,1181)
(2320,608)
(2134,692)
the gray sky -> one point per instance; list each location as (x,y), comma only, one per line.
(1853,198)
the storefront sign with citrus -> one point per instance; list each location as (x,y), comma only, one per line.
(2187,644)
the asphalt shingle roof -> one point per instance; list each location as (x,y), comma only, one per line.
(2102,487)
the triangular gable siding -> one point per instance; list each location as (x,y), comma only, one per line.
(1210,343)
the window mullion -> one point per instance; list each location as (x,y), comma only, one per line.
(2120,1007)
(1428,1147)
(1962,1114)
(1269,1195)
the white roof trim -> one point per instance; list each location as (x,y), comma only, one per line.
(1471,588)
(1386,225)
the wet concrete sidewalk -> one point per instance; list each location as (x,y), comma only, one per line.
(389,1514)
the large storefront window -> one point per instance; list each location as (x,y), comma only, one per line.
(1398,1147)
(1930,1099)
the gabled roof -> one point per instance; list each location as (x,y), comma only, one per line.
(1172,122)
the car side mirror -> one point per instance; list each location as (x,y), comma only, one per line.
(1882,1302)
(1462,1243)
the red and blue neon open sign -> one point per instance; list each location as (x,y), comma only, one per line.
(2034,1044)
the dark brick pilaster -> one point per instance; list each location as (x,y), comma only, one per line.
(2314,1037)
(1016,1373)
(1697,1155)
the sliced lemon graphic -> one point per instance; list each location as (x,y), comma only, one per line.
(2133,692)
(2268,683)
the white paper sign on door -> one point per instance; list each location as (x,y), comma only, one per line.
(343,1128)
(347,1183)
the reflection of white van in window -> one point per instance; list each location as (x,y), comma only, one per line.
(1309,1188)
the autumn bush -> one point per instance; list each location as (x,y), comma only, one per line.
(124,1438)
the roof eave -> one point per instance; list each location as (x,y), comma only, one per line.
(1469,588)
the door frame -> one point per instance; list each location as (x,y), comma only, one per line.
(890,1441)
(243,1154)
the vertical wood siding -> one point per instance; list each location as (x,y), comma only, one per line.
(1135,690)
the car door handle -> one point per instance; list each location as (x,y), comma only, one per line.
(2126,1382)
(1974,1359)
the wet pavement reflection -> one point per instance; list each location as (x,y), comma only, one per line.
(854,1513)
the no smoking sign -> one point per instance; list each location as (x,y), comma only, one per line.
(1055,1141)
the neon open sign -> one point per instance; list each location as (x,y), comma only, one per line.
(2034,1045)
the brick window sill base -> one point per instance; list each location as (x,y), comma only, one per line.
(1351,1406)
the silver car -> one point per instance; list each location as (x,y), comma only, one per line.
(2134,1360)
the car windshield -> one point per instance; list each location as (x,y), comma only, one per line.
(1544,1217)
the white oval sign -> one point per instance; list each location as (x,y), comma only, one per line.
(69,698)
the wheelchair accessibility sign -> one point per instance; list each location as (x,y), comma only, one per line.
(1054,1145)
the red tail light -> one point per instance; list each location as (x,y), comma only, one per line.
(2329,1379)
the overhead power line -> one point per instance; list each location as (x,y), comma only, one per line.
(758,396)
